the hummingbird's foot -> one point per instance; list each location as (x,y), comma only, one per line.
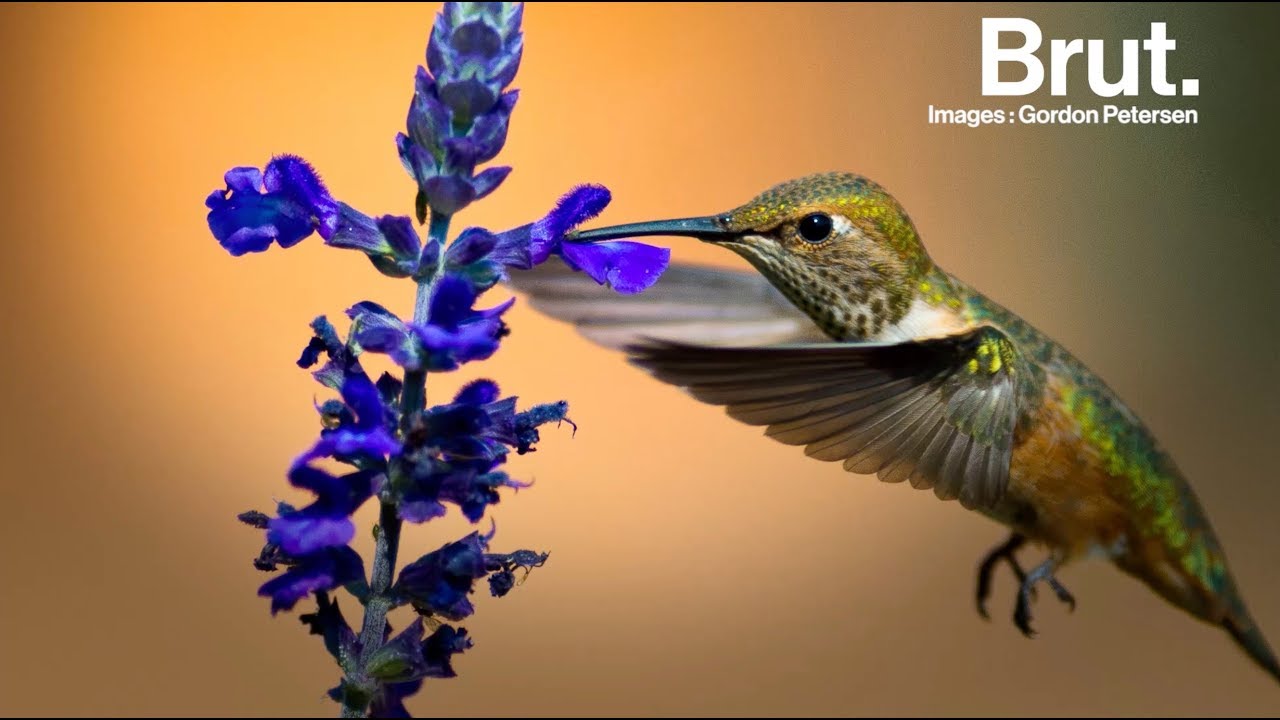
(1005,551)
(1040,573)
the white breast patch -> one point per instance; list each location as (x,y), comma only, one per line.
(922,320)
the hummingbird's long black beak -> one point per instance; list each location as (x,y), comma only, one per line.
(710,229)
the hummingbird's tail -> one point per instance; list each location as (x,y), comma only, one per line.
(1250,639)
(1218,603)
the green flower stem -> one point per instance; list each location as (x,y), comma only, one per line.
(413,398)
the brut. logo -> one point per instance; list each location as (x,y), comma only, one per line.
(1060,54)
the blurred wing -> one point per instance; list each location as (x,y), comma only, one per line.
(938,412)
(690,304)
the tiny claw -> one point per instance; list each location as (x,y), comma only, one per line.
(1023,613)
(1022,617)
(1063,594)
(984,586)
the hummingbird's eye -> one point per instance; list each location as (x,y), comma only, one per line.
(815,227)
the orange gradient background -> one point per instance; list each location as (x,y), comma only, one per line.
(150,392)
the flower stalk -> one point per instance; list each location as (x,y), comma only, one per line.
(387,532)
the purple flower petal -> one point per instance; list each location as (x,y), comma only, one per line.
(327,621)
(244,179)
(472,244)
(473,494)
(390,241)
(369,434)
(375,329)
(362,396)
(501,583)
(489,179)
(448,194)
(524,427)
(479,392)
(338,494)
(400,659)
(489,131)
(303,534)
(327,521)
(497,310)
(439,649)
(420,510)
(417,161)
(430,256)
(401,235)
(504,68)
(451,302)
(318,481)
(476,37)
(513,248)
(440,581)
(356,231)
(388,702)
(627,267)
(428,117)
(284,204)
(323,570)
(468,97)
(447,349)
(438,54)
(573,208)
(324,340)
(250,223)
(349,443)
(292,176)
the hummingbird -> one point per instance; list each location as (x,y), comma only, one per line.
(851,342)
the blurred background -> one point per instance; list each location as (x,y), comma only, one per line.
(695,566)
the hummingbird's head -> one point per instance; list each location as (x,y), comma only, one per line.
(836,244)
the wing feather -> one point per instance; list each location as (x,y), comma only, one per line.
(689,304)
(938,413)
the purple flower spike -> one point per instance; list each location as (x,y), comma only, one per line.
(474,52)
(460,113)
(416,459)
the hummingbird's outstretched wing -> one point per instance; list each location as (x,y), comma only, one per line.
(689,303)
(939,412)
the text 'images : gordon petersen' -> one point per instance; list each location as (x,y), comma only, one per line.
(1069,115)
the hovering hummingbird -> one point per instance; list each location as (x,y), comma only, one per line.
(851,342)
